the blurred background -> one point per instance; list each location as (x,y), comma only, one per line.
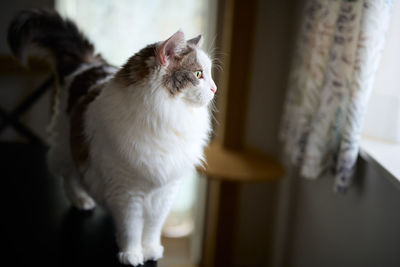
(279,221)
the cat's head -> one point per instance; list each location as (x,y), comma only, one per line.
(181,67)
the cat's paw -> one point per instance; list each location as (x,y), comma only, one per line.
(133,257)
(153,252)
(83,202)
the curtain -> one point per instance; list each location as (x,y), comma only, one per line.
(335,61)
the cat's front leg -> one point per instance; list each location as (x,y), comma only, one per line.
(156,208)
(128,217)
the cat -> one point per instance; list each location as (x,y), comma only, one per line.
(123,138)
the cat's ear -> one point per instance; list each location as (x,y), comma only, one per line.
(170,47)
(197,41)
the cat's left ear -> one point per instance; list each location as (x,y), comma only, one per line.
(197,41)
(170,47)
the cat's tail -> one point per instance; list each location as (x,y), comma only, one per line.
(45,35)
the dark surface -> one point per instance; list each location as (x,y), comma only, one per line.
(39,226)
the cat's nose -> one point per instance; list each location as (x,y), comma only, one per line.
(213,89)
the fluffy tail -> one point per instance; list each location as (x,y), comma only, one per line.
(45,35)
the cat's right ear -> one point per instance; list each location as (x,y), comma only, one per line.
(197,41)
(170,47)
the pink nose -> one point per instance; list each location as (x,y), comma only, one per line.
(213,89)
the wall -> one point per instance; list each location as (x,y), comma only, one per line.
(360,228)
(298,222)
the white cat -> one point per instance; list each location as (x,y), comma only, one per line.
(123,138)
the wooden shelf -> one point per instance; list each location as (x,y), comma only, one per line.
(247,166)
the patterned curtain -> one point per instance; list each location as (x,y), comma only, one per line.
(336,58)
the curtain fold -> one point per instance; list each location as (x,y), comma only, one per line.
(336,58)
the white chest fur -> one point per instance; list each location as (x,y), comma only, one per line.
(146,133)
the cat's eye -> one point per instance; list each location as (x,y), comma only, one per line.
(198,74)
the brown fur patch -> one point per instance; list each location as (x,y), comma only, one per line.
(136,68)
(181,70)
(78,141)
(82,82)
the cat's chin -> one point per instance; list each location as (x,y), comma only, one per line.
(198,103)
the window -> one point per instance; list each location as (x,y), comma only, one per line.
(381,132)
(121,28)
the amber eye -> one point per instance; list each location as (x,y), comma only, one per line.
(199,74)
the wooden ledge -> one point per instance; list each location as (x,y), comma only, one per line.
(247,166)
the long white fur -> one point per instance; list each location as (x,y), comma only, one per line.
(143,142)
